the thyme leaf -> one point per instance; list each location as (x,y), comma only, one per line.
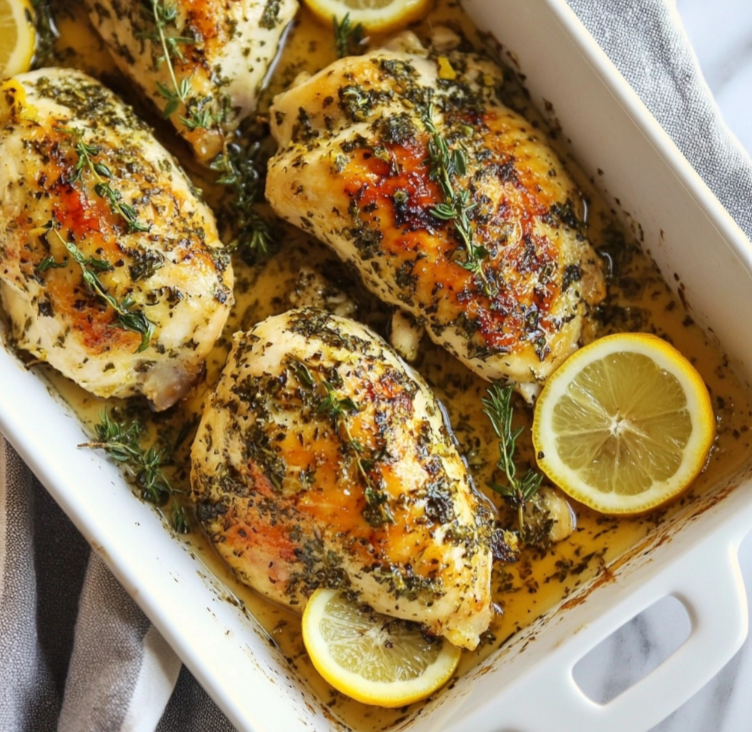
(445,165)
(122,440)
(335,406)
(129,316)
(50,262)
(199,112)
(518,491)
(348,38)
(86,155)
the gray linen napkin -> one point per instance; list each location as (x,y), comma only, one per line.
(76,654)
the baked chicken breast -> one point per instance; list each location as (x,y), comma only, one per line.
(111,269)
(451,205)
(322,460)
(201,62)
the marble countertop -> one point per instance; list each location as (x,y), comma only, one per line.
(721,33)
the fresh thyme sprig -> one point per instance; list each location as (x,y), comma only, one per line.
(198,112)
(339,409)
(446,165)
(239,168)
(130,317)
(165,14)
(102,175)
(348,38)
(518,491)
(121,440)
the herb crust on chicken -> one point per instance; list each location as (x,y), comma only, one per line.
(111,269)
(322,460)
(450,205)
(201,62)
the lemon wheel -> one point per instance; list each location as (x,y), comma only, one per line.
(624,425)
(370,657)
(376,16)
(17,37)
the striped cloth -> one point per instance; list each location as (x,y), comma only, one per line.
(76,654)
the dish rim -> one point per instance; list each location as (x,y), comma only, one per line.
(59,470)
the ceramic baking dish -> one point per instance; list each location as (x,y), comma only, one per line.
(528,685)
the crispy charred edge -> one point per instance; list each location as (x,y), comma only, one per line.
(217,494)
(395,150)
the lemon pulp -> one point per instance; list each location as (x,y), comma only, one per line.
(17,37)
(370,657)
(624,425)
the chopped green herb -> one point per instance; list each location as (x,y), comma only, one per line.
(328,401)
(270,16)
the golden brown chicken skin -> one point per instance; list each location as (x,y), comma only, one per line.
(322,461)
(111,269)
(201,62)
(359,166)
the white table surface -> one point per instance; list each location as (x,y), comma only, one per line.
(721,33)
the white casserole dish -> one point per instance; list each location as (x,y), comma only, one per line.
(693,557)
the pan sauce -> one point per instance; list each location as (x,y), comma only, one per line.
(638,300)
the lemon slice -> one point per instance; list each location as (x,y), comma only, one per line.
(376,16)
(17,37)
(624,425)
(370,657)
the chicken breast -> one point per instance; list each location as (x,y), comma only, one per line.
(111,269)
(321,460)
(201,62)
(451,206)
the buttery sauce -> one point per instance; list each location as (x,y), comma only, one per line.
(638,300)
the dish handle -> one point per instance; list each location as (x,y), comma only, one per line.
(707,580)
